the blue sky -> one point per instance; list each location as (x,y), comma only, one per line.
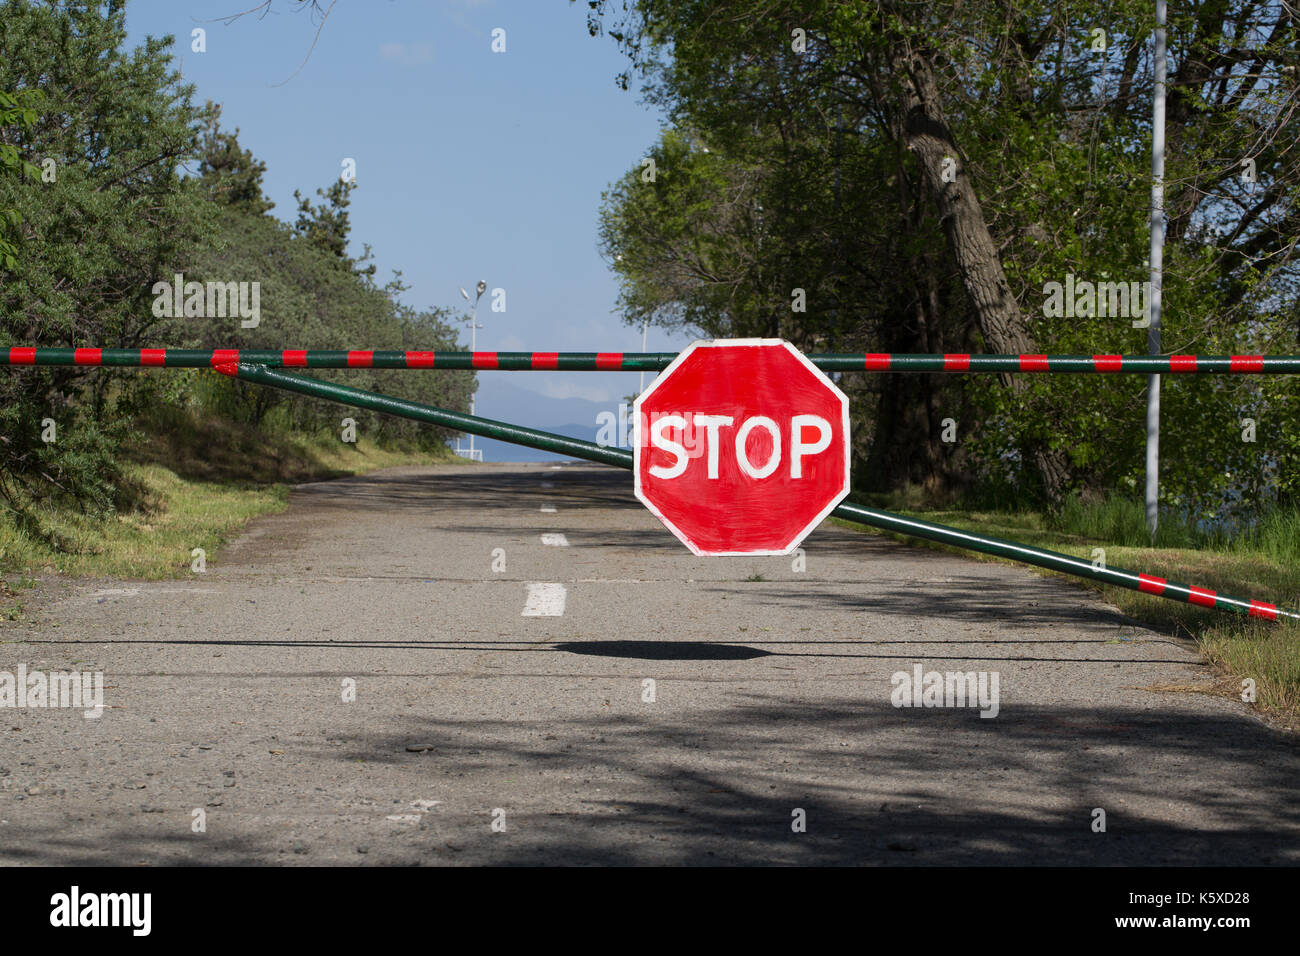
(470,164)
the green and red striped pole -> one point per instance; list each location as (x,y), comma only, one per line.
(885,520)
(645,361)
(341,358)
(1067,364)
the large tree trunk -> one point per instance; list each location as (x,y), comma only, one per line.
(927,134)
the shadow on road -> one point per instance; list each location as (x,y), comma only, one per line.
(700,780)
(721,786)
(663,650)
(677,650)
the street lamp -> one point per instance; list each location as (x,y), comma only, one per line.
(473,342)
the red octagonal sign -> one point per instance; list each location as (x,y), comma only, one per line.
(741,446)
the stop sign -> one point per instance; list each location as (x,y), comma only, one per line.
(741,446)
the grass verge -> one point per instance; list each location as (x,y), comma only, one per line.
(1239,648)
(203,480)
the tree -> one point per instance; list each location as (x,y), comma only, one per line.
(112,129)
(327,225)
(232,175)
(311,294)
(18,115)
(983,123)
(308,301)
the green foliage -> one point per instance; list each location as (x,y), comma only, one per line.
(94,212)
(327,225)
(17,117)
(809,182)
(111,127)
(1120,521)
(308,301)
(232,175)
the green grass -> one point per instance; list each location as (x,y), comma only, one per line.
(179,515)
(1263,563)
(203,480)
(1120,521)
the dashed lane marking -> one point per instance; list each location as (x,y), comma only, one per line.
(545,600)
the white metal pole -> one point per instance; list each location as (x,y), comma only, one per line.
(473,347)
(1157,269)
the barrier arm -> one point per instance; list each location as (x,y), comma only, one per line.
(885,520)
(648,361)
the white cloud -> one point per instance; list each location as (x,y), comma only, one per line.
(559,388)
(406,54)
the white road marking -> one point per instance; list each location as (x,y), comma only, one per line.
(425,805)
(404,817)
(545,600)
(555,540)
(548,509)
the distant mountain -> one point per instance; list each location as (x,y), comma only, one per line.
(509,403)
(494,450)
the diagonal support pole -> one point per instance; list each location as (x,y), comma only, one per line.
(387,404)
(885,520)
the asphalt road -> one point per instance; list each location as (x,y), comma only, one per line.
(518,696)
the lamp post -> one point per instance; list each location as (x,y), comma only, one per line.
(473,343)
